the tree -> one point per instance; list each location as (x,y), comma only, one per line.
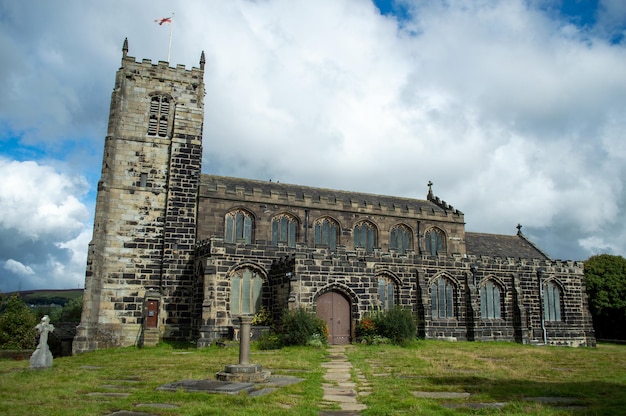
(71,312)
(605,278)
(17,325)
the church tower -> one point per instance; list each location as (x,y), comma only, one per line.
(140,260)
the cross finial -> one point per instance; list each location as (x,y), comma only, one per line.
(519,229)
(430,190)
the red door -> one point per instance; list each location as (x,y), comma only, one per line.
(152,318)
(334,308)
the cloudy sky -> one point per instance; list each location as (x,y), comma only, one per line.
(515,109)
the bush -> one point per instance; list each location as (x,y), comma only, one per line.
(396,325)
(17,325)
(269,341)
(299,327)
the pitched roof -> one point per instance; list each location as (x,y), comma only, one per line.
(269,187)
(504,246)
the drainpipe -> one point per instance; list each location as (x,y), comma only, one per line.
(306,227)
(540,272)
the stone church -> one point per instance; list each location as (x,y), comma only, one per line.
(177,254)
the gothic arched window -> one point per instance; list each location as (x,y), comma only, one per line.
(365,236)
(386,292)
(490,303)
(326,232)
(435,242)
(284,230)
(239,225)
(159,115)
(442,298)
(552,302)
(401,238)
(245,292)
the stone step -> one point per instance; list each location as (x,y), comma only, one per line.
(150,338)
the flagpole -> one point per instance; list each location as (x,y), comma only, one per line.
(169,48)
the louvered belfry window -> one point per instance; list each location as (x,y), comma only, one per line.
(159,116)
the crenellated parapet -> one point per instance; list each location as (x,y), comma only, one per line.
(268,192)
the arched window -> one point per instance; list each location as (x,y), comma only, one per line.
(327,232)
(365,236)
(490,304)
(386,292)
(239,225)
(435,242)
(245,292)
(401,238)
(551,302)
(284,230)
(442,298)
(158,120)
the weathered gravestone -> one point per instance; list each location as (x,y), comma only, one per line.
(42,357)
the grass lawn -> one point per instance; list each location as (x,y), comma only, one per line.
(593,378)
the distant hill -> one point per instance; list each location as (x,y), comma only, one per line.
(48,297)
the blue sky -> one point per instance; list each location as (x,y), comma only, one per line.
(515,109)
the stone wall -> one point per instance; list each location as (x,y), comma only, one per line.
(298,276)
(144,227)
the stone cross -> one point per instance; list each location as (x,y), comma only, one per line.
(42,357)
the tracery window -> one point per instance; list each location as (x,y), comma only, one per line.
(327,232)
(245,292)
(365,236)
(490,304)
(551,302)
(386,292)
(158,120)
(442,298)
(401,238)
(435,242)
(238,226)
(284,230)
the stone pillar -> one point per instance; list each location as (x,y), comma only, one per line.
(244,339)
(244,372)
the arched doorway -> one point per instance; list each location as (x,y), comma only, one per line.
(334,308)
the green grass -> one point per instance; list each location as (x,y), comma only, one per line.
(594,378)
(491,372)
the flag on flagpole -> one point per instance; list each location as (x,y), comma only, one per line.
(169,20)
(163,20)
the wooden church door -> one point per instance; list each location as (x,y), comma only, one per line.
(334,308)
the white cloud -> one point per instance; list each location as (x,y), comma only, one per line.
(43,227)
(17,268)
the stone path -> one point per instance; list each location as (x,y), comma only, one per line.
(338,387)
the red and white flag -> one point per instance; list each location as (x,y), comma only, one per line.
(163,20)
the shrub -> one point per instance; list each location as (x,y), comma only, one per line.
(17,325)
(262,317)
(397,324)
(392,326)
(300,326)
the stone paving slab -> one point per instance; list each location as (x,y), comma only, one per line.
(440,395)
(475,405)
(209,386)
(108,394)
(353,407)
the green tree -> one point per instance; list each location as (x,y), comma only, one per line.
(17,325)
(605,278)
(71,312)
